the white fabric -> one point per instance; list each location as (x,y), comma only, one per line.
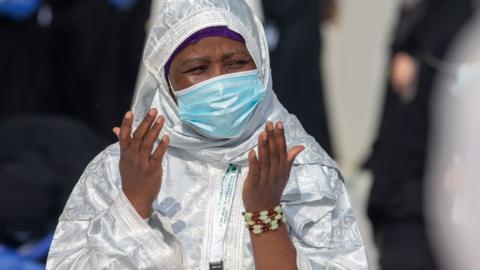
(99,229)
(223,198)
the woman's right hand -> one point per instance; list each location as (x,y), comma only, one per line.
(140,168)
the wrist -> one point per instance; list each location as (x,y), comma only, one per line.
(144,212)
(143,207)
(281,232)
(266,220)
(260,206)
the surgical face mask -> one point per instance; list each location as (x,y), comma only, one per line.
(221,107)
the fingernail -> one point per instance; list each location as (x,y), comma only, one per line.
(269,126)
(151,112)
(128,115)
(159,119)
(280,126)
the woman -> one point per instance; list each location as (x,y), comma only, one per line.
(396,206)
(171,196)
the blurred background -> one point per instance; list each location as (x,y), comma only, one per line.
(376,82)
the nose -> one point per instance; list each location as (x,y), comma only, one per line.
(217,69)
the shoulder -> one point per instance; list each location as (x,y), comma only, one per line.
(102,165)
(98,186)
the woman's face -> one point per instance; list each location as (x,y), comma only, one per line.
(208,58)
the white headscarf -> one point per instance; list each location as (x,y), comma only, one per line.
(178,20)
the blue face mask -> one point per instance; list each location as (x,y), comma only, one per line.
(221,107)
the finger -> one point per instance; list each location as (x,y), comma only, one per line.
(281,142)
(143,128)
(272,149)
(152,136)
(263,155)
(116,131)
(157,156)
(253,167)
(293,153)
(125,136)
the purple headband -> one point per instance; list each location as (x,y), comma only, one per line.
(215,31)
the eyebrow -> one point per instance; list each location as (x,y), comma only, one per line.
(196,59)
(207,58)
(231,54)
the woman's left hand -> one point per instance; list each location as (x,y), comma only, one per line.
(269,173)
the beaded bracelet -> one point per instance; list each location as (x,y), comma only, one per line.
(264,221)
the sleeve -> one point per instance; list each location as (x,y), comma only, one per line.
(100,229)
(322,224)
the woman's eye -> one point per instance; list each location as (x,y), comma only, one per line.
(237,63)
(197,69)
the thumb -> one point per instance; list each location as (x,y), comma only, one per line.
(293,153)
(116,130)
(253,170)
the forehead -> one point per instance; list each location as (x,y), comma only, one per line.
(211,47)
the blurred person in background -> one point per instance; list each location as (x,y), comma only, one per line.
(25,50)
(295,41)
(41,159)
(396,205)
(61,62)
(77,58)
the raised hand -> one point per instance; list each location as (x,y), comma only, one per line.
(140,168)
(268,174)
